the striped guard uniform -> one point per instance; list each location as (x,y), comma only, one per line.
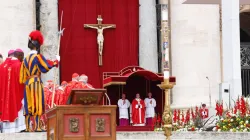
(30,75)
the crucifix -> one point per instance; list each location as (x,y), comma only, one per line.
(100,39)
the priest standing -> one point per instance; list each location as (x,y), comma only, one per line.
(138,111)
(150,104)
(123,105)
(11,94)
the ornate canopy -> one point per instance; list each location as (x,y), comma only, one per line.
(120,78)
(242,2)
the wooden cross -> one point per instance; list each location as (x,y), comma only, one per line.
(100,39)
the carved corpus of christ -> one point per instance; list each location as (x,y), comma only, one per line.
(100,38)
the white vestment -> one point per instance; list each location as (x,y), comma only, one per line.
(17,126)
(150,108)
(123,108)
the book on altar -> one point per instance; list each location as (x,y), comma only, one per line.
(86,96)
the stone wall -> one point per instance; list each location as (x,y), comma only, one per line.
(17,20)
(195,53)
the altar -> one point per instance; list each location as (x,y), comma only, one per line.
(83,118)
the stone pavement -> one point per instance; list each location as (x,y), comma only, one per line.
(144,136)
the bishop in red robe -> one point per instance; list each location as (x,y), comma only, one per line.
(138,111)
(84,82)
(12,93)
(72,84)
(2,77)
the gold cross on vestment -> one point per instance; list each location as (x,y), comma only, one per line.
(100,38)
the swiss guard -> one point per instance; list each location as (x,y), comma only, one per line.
(30,74)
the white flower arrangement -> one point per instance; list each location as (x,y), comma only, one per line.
(214,129)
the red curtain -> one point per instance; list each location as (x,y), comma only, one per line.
(79,50)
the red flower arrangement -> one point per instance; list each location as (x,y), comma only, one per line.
(159,119)
(154,122)
(175,116)
(219,108)
(187,116)
(192,113)
(242,107)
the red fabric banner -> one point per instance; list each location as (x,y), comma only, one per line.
(79,49)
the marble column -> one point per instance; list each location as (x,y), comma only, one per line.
(148,56)
(17,20)
(49,28)
(231,46)
(195,49)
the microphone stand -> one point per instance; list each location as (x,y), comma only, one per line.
(209,92)
(108,98)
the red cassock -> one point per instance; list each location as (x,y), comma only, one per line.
(70,86)
(48,94)
(11,91)
(68,89)
(60,96)
(2,79)
(138,111)
(56,97)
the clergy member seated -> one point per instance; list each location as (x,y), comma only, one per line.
(123,105)
(61,92)
(48,90)
(138,111)
(150,104)
(83,79)
(72,84)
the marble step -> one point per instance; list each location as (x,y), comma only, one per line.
(144,136)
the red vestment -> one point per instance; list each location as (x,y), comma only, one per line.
(138,111)
(56,97)
(48,95)
(70,86)
(11,91)
(60,96)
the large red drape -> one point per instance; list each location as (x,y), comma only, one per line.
(79,50)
